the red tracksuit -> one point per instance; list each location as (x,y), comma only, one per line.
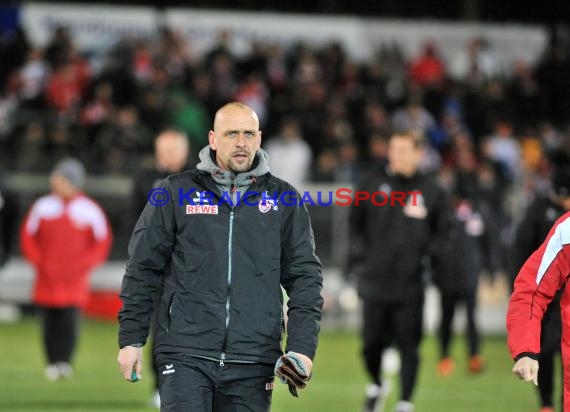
(543,274)
(64,240)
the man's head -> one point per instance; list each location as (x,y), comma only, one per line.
(171,150)
(67,177)
(290,129)
(405,151)
(235,137)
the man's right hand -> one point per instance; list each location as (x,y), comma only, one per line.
(526,369)
(130,359)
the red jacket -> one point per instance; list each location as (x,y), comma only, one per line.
(64,240)
(543,274)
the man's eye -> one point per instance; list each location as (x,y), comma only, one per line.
(232,134)
(249,134)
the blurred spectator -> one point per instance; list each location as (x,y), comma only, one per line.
(63,91)
(550,137)
(117,71)
(142,61)
(377,152)
(97,111)
(8,109)
(291,157)
(14,48)
(152,109)
(551,75)
(123,143)
(31,148)
(348,168)
(8,219)
(457,275)
(505,149)
(428,70)
(253,92)
(171,155)
(34,76)
(175,56)
(189,116)
(326,166)
(171,150)
(64,235)
(474,64)
(223,77)
(524,95)
(59,47)
(376,120)
(277,68)
(413,117)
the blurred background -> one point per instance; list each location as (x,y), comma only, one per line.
(485,81)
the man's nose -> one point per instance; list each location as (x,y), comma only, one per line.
(240,141)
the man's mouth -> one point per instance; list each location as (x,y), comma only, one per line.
(240,156)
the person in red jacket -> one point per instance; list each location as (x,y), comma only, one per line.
(64,235)
(544,273)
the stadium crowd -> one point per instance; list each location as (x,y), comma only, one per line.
(328,116)
(106,108)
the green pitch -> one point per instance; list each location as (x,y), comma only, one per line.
(337,386)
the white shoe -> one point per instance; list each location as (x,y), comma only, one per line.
(376,397)
(52,372)
(155,400)
(65,370)
(404,406)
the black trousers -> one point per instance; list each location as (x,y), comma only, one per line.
(551,330)
(190,384)
(60,327)
(388,323)
(449,301)
(151,339)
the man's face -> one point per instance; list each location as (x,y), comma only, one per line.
(61,186)
(171,152)
(235,138)
(403,156)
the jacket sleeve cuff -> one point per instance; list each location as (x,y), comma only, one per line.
(531,355)
(125,341)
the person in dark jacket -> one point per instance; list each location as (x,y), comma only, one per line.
(8,220)
(221,245)
(457,277)
(171,150)
(171,153)
(391,242)
(531,232)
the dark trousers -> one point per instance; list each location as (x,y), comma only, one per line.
(190,384)
(152,337)
(60,328)
(549,350)
(388,323)
(449,301)
(152,342)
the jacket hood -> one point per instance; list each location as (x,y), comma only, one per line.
(207,163)
(224,178)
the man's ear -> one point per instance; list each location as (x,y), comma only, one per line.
(259,140)
(212,139)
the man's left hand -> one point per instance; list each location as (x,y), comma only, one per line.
(294,369)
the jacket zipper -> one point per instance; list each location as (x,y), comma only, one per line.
(223,355)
